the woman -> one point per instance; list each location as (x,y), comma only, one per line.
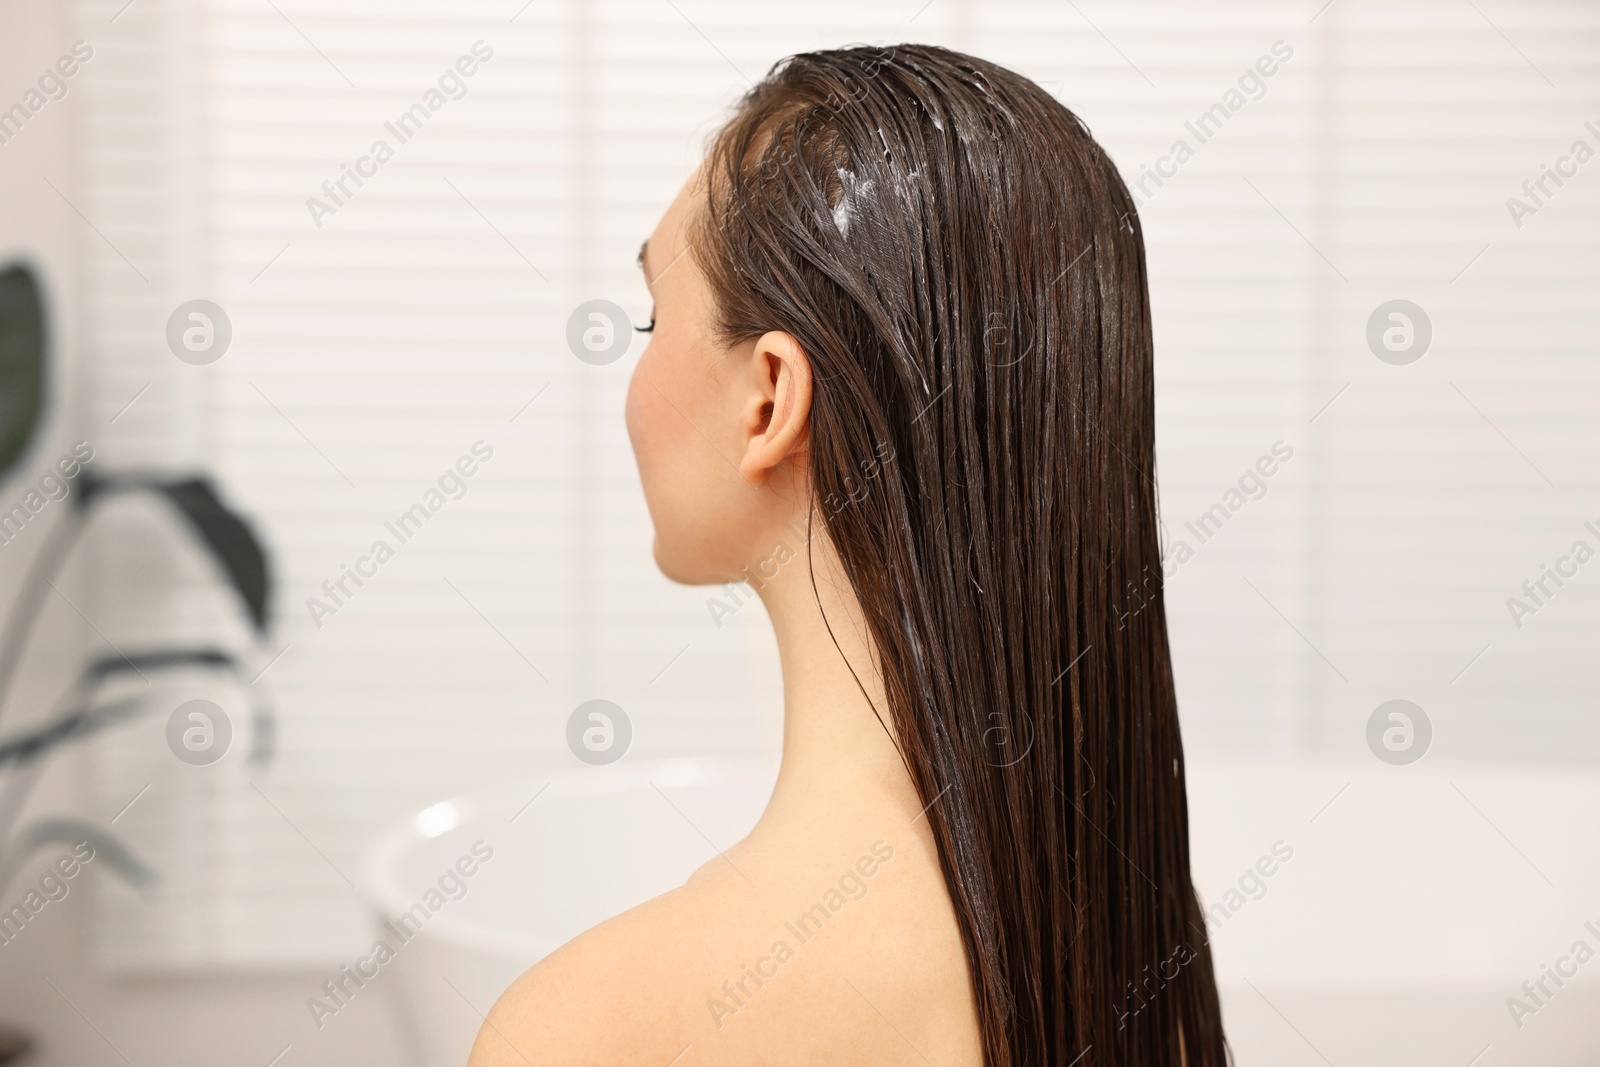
(899,379)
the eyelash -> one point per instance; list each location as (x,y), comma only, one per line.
(648,329)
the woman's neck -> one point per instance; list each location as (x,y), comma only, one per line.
(834,744)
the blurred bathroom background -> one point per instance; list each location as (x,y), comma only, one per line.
(1374,263)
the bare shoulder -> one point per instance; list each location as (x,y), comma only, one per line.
(614,995)
(782,959)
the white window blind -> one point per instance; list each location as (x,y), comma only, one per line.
(427,312)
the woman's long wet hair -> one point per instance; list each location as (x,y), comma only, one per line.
(965,270)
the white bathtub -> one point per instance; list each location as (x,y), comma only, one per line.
(570,849)
(1413,905)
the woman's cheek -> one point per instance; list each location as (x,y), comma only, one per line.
(630,409)
(641,401)
(643,412)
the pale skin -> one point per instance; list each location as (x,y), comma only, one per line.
(720,436)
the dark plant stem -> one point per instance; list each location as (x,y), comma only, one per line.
(25,608)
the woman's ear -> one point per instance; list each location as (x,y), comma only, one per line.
(779,410)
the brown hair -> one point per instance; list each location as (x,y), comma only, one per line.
(965,271)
